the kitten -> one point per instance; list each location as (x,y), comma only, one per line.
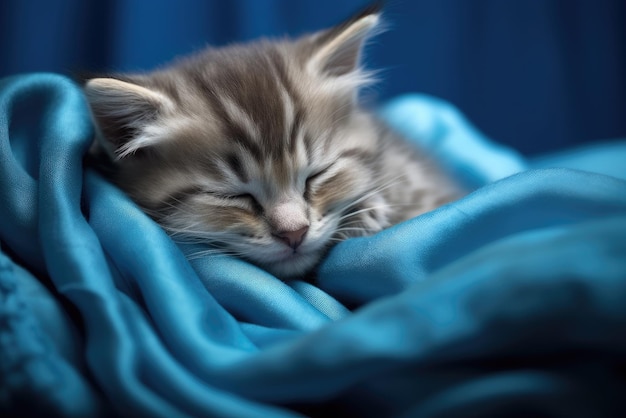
(262,149)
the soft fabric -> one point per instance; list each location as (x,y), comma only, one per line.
(508,302)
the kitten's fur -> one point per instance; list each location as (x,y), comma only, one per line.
(262,150)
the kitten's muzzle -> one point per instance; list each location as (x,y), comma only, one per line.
(292,239)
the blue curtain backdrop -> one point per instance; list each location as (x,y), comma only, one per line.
(537,75)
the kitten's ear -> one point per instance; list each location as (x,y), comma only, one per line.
(121,110)
(339,49)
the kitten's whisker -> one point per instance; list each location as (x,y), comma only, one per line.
(350,229)
(384,206)
(181,205)
(202,254)
(390,183)
(350,223)
(334,239)
(358,212)
(188,230)
(374,192)
(216,251)
(352,214)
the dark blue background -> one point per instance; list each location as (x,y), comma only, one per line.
(539,75)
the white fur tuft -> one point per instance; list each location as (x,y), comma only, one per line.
(127,105)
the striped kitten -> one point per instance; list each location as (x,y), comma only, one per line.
(261,149)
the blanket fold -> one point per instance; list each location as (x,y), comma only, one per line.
(508,301)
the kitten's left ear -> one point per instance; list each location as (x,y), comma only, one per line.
(339,49)
(122,110)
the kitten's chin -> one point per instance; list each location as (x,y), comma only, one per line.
(295,266)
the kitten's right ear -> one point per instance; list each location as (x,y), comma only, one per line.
(339,49)
(122,110)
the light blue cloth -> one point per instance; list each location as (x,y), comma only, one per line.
(508,301)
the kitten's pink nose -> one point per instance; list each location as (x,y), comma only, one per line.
(293,238)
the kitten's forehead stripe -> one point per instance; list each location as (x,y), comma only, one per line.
(308,147)
(240,117)
(233,130)
(288,118)
(234,163)
(279,67)
(262,89)
(292,104)
(251,95)
(296,126)
(257,93)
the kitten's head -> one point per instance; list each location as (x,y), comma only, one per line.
(258,148)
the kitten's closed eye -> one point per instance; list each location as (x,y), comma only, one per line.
(316,175)
(241,196)
(247,198)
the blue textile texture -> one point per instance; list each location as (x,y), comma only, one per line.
(507,302)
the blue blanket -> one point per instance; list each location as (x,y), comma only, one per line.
(508,302)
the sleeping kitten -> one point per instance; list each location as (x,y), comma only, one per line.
(262,150)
